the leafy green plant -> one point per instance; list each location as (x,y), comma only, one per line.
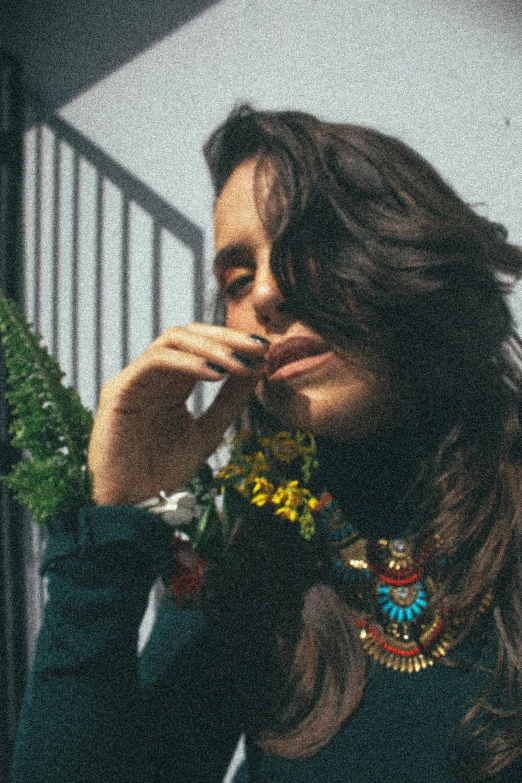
(49,424)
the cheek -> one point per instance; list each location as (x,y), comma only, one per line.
(239,317)
(230,321)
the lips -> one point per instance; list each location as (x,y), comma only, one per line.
(293,349)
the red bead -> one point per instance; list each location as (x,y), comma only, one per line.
(409,575)
(394,650)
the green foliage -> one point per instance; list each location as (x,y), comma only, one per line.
(49,424)
(207,530)
(206,534)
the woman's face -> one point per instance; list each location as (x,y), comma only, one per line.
(308,383)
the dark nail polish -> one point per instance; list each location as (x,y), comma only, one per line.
(256,338)
(216,367)
(248,363)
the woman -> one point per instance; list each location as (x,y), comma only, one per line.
(363,302)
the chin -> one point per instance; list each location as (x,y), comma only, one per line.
(297,410)
(323,414)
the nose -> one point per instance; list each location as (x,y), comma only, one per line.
(266,296)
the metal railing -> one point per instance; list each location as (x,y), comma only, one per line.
(101,265)
(74,195)
(108,265)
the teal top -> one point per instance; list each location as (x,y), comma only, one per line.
(95,712)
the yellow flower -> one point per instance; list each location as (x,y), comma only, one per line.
(262,483)
(260,499)
(285,448)
(229,471)
(255,474)
(261,491)
(278,496)
(288,513)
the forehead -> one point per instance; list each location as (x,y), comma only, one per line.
(237,194)
(236,210)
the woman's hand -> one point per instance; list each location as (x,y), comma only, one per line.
(144,438)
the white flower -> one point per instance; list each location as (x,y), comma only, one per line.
(180,508)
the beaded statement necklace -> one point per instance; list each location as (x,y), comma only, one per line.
(389,588)
(387,583)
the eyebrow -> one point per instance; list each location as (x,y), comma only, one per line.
(229,255)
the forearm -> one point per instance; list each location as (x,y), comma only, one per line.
(89,715)
(83,715)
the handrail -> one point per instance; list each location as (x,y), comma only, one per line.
(171,218)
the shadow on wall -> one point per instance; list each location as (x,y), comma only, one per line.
(67,47)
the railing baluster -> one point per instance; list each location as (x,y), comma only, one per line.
(156,279)
(13,606)
(37,244)
(56,245)
(4,101)
(4,196)
(125,281)
(198,279)
(74,263)
(98,285)
(199,306)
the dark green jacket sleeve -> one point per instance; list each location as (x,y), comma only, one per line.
(93,710)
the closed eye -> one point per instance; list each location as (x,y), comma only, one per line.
(234,270)
(234,286)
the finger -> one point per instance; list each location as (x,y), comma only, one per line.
(237,356)
(157,378)
(251,345)
(225,332)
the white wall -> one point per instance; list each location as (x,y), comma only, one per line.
(445,77)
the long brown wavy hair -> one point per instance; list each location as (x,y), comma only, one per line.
(371,245)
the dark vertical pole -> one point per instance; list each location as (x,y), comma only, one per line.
(13,643)
(98,286)
(156,279)
(37,226)
(74,271)
(125,294)
(56,246)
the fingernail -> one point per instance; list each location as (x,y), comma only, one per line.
(216,367)
(259,339)
(250,364)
